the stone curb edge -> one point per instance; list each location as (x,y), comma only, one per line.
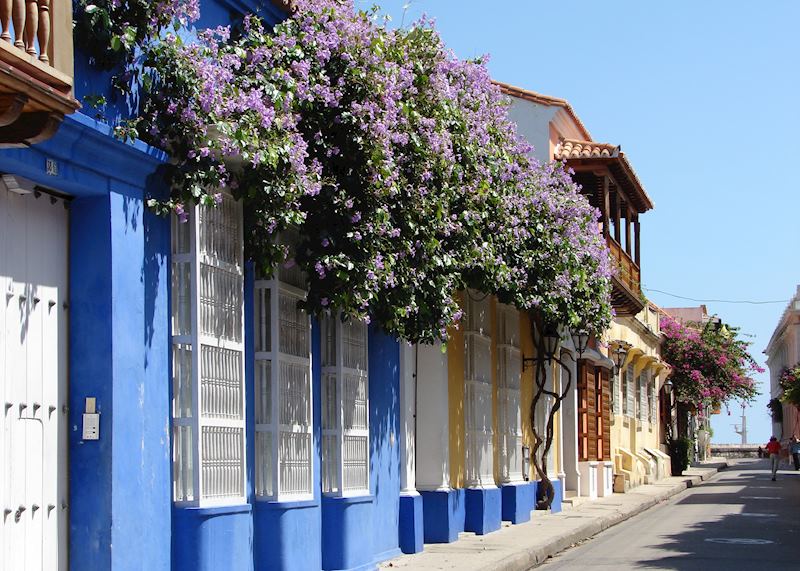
(533,557)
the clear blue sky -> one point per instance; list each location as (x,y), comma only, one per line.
(703,97)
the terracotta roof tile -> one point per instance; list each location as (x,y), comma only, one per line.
(571,149)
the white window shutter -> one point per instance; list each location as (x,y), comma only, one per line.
(345,407)
(284,423)
(630,397)
(207,356)
(509,371)
(478,391)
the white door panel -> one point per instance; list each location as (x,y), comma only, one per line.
(33,383)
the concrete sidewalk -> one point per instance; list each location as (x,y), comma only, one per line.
(521,547)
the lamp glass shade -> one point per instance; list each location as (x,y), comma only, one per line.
(619,355)
(551,341)
(580,340)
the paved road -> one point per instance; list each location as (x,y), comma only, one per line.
(739,519)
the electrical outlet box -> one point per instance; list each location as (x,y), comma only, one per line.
(91,426)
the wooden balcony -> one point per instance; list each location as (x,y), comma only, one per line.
(626,296)
(36,69)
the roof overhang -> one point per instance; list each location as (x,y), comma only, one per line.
(591,156)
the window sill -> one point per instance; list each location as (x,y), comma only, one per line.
(214,510)
(363,499)
(286,504)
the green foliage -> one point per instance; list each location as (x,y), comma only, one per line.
(681,453)
(775,409)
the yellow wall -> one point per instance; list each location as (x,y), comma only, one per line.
(527,383)
(628,432)
(455,382)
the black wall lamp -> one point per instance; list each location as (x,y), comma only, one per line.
(620,354)
(552,340)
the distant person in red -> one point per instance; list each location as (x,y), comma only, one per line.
(773,449)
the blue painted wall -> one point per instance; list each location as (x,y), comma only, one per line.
(358,532)
(384,418)
(120,484)
(288,535)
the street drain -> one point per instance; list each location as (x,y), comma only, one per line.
(739,541)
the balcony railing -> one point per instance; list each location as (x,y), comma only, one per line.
(36,69)
(626,295)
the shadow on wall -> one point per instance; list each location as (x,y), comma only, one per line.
(155,269)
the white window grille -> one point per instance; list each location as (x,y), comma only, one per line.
(478,391)
(207,356)
(345,407)
(284,425)
(628,390)
(509,372)
(651,399)
(644,387)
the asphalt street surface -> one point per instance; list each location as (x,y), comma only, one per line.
(739,519)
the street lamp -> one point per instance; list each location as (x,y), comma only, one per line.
(580,340)
(620,353)
(551,341)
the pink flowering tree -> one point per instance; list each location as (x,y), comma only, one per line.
(790,385)
(710,364)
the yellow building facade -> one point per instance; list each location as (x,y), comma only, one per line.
(637,446)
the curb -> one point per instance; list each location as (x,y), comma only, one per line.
(535,556)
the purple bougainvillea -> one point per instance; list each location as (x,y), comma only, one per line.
(393,161)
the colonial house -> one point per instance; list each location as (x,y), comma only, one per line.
(783,351)
(610,437)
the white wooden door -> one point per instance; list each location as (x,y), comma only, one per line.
(33,382)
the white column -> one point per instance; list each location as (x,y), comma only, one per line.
(562,380)
(408,411)
(569,422)
(433,434)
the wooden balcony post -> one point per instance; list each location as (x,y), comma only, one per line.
(636,233)
(18,17)
(5,18)
(605,207)
(617,232)
(44,30)
(628,230)
(60,50)
(31,26)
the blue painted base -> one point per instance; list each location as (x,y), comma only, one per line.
(347,533)
(411,524)
(208,539)
(287,536)
(558,488)
(443,514)
(484,510)
(518,501)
